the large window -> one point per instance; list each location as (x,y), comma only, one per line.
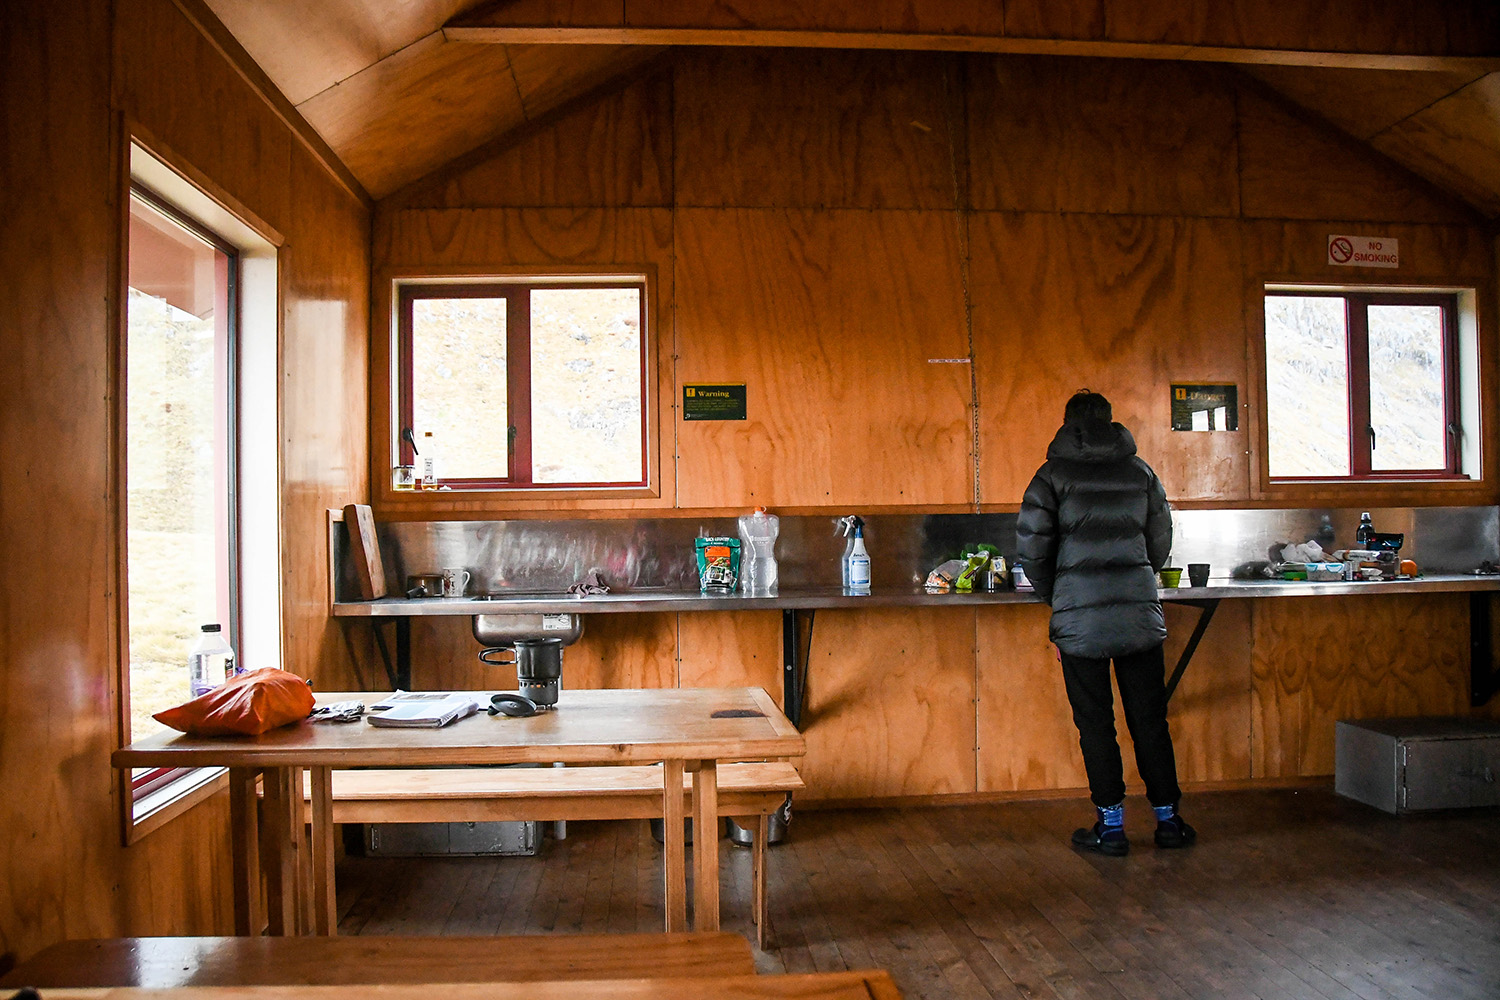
(536,384)
(1362,385)
(197,462)
(179,453)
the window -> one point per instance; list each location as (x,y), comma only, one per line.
(1362,385)
(198,479)
(179,452)
(524,384)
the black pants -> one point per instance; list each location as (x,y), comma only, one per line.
(1143,690)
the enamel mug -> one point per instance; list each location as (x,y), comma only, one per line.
(455,581)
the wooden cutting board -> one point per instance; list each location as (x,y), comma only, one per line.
(364,545)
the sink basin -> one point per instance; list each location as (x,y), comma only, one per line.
(503,629)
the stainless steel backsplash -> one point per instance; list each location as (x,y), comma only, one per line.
(657,553)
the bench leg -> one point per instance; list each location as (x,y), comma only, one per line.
(758,861)
(674,846)
(706,846)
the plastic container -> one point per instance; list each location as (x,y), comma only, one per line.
(210,661)
(758,533)
(856,562)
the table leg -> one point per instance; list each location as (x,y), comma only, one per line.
(762,842)
(325,909)
(706,846)
(248,918)
(674,846)
(281,835)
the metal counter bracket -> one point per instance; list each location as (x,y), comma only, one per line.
(794,657)
(1207,608)
(1484,680)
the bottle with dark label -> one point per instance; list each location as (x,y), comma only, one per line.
(1364,535)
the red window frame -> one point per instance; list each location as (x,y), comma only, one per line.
(1362,440)
(517,295)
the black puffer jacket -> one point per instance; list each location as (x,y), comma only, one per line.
(1093,530)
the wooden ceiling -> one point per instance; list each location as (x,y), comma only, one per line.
(398,89)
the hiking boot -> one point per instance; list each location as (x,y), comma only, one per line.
(1101,839)
(1174,832)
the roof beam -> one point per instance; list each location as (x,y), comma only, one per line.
(1350,34)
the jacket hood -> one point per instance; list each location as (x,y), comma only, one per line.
(1092,441)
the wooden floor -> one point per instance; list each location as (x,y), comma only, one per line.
(1288,894)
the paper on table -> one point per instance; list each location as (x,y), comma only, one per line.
(426,714)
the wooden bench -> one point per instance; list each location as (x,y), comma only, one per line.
(165,962)
(488,794)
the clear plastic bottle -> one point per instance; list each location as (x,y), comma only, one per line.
(758,535)
(210,661)
(428,464)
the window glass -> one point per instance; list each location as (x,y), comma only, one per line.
(1407,408)
(586,385)
(460,402)
(178,455)
(1307,386)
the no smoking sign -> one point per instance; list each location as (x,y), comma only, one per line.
(1363,251)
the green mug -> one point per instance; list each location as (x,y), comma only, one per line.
(1171,576)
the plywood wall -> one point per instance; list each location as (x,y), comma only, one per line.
(70,76)
(1054,223)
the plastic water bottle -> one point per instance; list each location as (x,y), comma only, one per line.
(758,536)
(210,661)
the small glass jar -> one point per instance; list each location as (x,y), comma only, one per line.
(405,477)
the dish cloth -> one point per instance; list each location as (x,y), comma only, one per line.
(590,586)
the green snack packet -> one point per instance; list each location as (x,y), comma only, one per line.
(718,564)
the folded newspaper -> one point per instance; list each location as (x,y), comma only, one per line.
(425,714)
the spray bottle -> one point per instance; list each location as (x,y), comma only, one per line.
(856,563)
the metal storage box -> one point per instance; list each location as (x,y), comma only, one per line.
(419,840)
(1414,764)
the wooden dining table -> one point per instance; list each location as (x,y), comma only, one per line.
(683,729)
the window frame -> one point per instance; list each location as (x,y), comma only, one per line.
(1358,367)
(516,290)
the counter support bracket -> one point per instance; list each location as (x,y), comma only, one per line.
(794,657)
(1207,609)
(403,653)
(1484,680)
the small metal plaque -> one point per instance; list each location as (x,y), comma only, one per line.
(1205,406)
(713,401)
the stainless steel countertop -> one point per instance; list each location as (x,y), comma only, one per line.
(648,601)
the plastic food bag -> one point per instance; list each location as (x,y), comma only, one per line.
(248,705)
(718,564)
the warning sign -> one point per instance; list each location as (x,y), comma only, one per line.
(1363,251)
(713,401)
(1205,407)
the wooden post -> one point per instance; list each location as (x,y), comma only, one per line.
(325,907)
(674,846)
(706,846)
(249,919)
(283,811)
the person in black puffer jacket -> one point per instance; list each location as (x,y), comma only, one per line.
(1093,530)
